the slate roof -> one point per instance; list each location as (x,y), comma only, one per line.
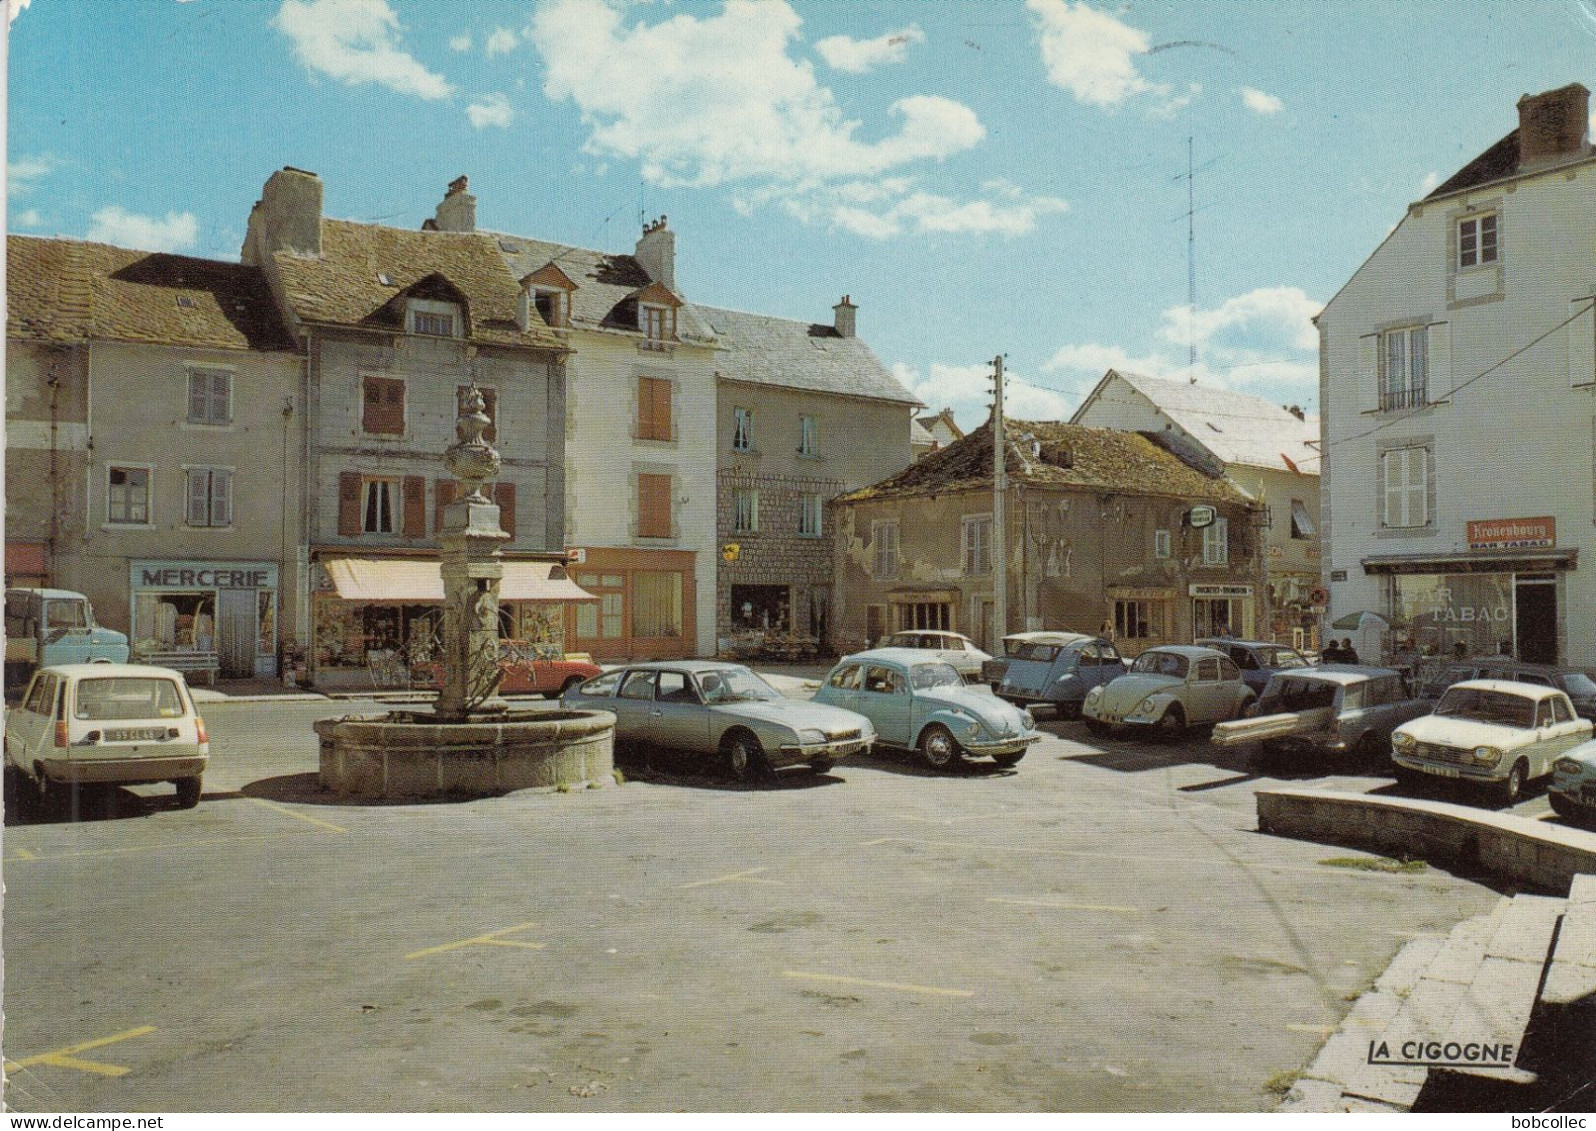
(783,352)
(341,286)
(606,285)
(1500,160)
(1097,458)
(1236,427)
(61,290)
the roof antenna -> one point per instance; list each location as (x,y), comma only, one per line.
(1191,267)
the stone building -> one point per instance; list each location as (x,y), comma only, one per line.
(1107,531)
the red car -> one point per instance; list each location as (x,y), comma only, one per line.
(525,673)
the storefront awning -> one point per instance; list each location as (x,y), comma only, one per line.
(1506,561)
(370,580)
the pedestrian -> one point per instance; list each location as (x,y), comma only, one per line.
(1460,650)
(1349,654)
(1331,653)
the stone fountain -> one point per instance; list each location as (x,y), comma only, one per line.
(472,743)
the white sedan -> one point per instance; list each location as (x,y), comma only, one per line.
(949,647)
(1494,731)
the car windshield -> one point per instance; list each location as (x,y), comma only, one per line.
(1296,695)
(1029,650)
(735,685)
(1500,707)
(124,698)
(1282,659)
(1161,663)
(924,676)
(1579,685)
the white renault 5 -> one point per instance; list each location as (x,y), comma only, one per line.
(82,725)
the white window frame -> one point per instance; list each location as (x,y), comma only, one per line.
(808,435)
(1402,495)
(381,501)
(975,544)
(148,521)
(420,308)
(811,511)
(745,510)
(1162,548)
(658,323)
(884,549)
(206,417)
(215,498)
(1404,378)
(1479,244)
(1216,542)
(742,429)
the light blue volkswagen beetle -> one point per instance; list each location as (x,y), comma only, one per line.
(918,702)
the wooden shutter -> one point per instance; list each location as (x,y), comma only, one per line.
(443,490)
(415,506)
(504,495)
(662,409)
(349,484)
(383,405)
(653,409)
(653,506)
(370,404)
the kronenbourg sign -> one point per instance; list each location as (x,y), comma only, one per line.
(1201,516)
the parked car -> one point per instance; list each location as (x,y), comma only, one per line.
(1334,710)
(51,627)
(1258,659)
(918,702)
(525,672)
(1496,731)
(1170,687)
(1576,684)
(1015,645)
(1573,789)
(1057,669)
(81,725)
(950,647)
(721,710)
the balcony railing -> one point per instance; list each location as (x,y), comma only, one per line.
(1416,396)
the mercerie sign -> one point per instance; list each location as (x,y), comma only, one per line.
(204,575)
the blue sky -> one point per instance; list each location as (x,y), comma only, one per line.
(981,176)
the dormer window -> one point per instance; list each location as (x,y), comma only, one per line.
(435,319)
(658,323)
(552,305)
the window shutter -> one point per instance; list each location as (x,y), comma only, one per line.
(221,498)
(221,409)
(653,506)
(1582,342)
(394,406)
(504,495)
(443,490)
(349,503)
(197,396)
(370,404)
(1368,373)
(662,410)
(415,504)
(1439,336)
(198,498)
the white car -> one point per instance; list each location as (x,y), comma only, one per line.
(949,647)
(82,725)
(1495,731)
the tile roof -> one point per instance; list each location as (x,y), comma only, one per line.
(341,286)
(1500,160)
(1236,427)
(800,355)
(61,290)
(1071,455)
(606,285)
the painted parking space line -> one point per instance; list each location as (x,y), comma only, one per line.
(746,877)
(1316,1030)
(1067,906)
(24,854)
(65,1058)
(492,938)
(839,979)
(317,821)
(132,850)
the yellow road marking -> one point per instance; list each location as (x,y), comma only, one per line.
(1317,1030)
(492,938)
(171,845)
(25,854)
(317,821)
(730,878)
(1065,906)
(63,1058)
(907,988)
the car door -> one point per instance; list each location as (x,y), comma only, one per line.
(1565,731)
(1112,664)
(677,719)
(633,701)
(884,699)
(1205,694)
(31,719)
(842,688)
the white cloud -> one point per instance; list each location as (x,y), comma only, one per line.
(356,41)
(967,389)
(1431,182)
(23,174)
(1090,53)
(1008,211)
(1173,105)
(461,42)
(29,218)
(502,41)
(861,56)
(1259,102)
(115,225)
(14,9)
(1269,319)
(490,110)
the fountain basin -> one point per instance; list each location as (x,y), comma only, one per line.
(411,755)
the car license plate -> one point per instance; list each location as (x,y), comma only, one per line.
(1443,771)
(144,734)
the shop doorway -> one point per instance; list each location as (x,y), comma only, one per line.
(1535,618)
(760,608)
(237,628)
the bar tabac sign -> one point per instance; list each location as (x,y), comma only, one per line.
(1513,534)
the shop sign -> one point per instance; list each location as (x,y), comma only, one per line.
(1199,517)
(1219,590)
(1338,575)
(1513,534)
(202,574)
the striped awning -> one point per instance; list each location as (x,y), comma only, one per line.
(370,580)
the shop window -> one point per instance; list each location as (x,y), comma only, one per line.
(174,622)
(490,408)
(653,408)
(759,608)
(210,396)
(382,406)
(656,604)
(127,495)
(210,496)
(925,615)
(1138,620)
(653,506)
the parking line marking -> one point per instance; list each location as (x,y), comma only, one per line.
(64,1058)
(1066,906)
(731,877)
(169,845)
(1317,1030)
(25,854)
(492,938)
(906,987)
(317,821)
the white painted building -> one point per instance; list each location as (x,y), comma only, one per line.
(1457,369)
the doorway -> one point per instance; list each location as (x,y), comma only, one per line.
(1535,618)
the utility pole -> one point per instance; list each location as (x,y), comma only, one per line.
(1000,487)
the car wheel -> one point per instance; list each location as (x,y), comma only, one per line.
(744,757)
(1173,723)
(1513,788)
(188,792)
(1370,751)
(938,747)
(1004,761)
(821,765)
(1561,805)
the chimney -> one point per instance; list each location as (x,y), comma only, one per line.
(1296,410)
(844,321)
(287,217)
(458,210)
(1553,125)
(656,253)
